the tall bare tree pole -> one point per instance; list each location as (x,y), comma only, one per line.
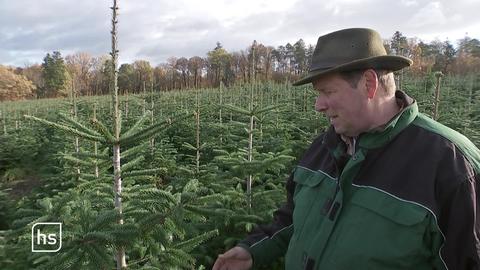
(4,122)
(74,115)
(250,148)
(95,144)
(121,262)
(438,75)
(197,132)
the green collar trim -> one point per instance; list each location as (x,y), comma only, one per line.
(378,138)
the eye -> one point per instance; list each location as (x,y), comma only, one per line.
(325,92)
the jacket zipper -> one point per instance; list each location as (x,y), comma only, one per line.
(337,187)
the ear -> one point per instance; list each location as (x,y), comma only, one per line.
(371,82)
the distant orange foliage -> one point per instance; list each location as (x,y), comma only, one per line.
(13,86)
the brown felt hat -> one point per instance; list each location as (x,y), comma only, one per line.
(351,49)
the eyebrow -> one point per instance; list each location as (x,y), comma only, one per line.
(319,88)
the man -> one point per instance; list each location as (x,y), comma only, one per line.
(384,188)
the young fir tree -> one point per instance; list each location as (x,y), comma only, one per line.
(247,165)
(144,216)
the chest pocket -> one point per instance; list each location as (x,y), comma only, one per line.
(312,191)
(381,231)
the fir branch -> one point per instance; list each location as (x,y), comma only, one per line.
(145,267)
(78,161)
(144,134)
(92,156)
(105,218)
(132,164)
(89,177)
(99,257)
(132,180)
(136,150)
(145,172)
(63,260)
(135,213)
(100,127)
(152,193)
(267,193)
(174,225)
(178,257)
(156,194)
(124,234)
(151,222)
(191,186)
(151,130)
(265,109)
(236,109)
(192,243)
(105,165)
(210,199)
(189,146)
(248,218)
(67,129)
(209,212)
(94,185)
(41,260)
(136,127)
(105,237)
(78,125)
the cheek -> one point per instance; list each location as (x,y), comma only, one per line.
(337,106)
(346,108)
(354,114)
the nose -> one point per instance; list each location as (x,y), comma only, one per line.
(321,103)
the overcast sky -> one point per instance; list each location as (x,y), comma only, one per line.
(154,30)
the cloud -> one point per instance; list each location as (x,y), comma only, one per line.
(409,3)
(157,29)
(33,28)
(443,18)
(429,15)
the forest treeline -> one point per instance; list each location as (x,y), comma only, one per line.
(89,75)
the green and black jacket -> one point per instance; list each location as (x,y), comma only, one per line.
(406,199)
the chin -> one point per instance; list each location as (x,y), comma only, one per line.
(338,130)
(344,132)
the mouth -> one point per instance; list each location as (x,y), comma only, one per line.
(331,118)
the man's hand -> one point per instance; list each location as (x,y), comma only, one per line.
(236,258)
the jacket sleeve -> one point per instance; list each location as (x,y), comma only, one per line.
(461,227)
(266,243)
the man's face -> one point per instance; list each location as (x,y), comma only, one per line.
(344,106)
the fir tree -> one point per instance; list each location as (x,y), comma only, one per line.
(55,76)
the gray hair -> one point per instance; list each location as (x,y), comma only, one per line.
(385,79)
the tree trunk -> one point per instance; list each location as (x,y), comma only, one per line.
(120,257)
(197,120)
(95,144)
(4,123)
(250,151)
(250,158)
(437,96)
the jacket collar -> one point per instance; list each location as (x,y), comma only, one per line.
(382,135)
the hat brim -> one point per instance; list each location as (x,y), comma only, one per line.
(385,62)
